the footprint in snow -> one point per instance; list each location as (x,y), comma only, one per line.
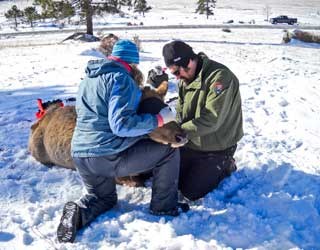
(283,103)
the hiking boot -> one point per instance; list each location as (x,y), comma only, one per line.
(180,208)
(231,168)
(183,199)
(69,223)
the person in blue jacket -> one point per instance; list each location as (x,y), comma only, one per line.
(110,141)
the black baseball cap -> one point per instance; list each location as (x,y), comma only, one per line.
(177,53)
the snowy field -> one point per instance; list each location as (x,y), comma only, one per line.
(271,202)
(168,12)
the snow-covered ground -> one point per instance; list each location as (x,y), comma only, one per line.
(168,12)
(271,202)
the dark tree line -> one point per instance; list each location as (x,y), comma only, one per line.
(87,9)
(49,9)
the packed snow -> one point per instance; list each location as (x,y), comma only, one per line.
(271,202)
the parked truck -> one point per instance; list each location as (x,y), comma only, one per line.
(283,19)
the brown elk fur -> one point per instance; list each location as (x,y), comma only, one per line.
(162,89)
(50,139)
(107,43)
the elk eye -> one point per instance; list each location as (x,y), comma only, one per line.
(178,138)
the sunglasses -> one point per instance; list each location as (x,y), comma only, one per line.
(176,72)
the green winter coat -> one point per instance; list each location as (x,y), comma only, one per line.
(209,108)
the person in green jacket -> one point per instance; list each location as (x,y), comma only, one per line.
(209,111)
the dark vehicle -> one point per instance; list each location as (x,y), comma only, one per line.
(283,19)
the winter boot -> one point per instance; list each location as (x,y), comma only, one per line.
(231,168)
(180,208)
(69,223)
(183,199)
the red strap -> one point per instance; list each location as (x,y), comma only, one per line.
(41,112)
(40,106)
(117,59)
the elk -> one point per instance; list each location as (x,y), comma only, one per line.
(51,134)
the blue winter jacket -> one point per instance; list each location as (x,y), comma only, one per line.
(107,121)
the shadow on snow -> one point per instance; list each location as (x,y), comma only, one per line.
(274,205)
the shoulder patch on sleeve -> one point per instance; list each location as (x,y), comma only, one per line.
(217,87)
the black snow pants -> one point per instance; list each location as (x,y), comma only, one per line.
(201,172)
(98,175)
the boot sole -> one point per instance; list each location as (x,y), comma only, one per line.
(64,233)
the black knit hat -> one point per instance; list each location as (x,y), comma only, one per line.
(177,53)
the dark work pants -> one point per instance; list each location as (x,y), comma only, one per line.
(201,172)
(98,175)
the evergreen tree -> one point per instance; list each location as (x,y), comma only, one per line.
(141,6)
(126,3)
(87,12)
(206,7)
(63,9)
(47,8)
(111,6)
(14,13)
(31,15)
(54,9)
(87,9)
